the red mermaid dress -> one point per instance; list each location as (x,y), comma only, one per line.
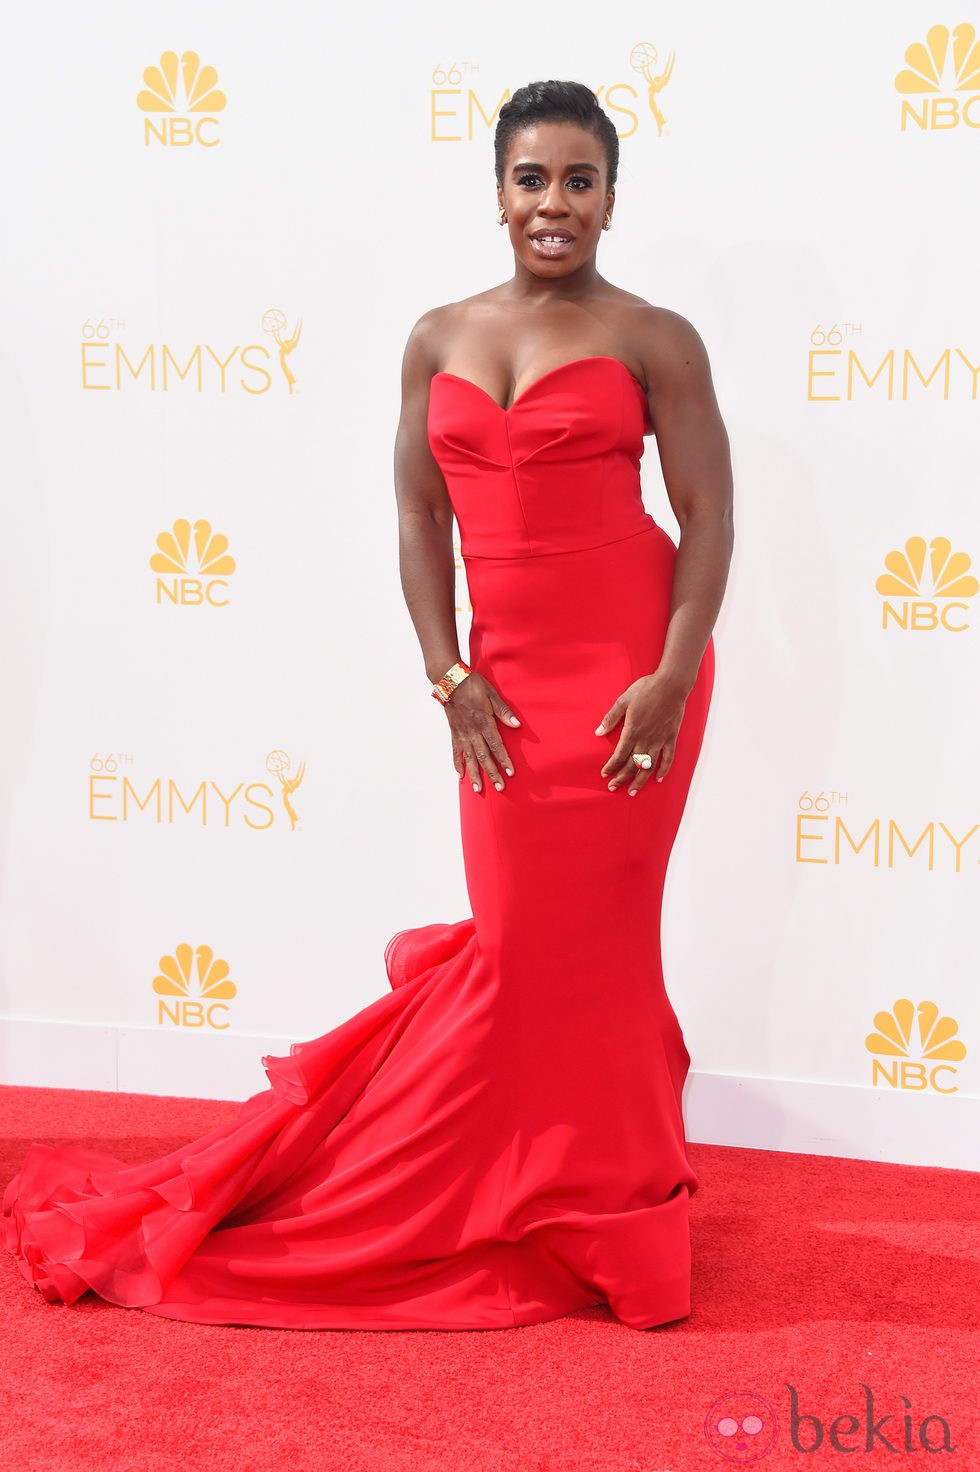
(497,1140)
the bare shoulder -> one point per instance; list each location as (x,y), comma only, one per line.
(422,347)
(667,344)
(663,345)
(435,331)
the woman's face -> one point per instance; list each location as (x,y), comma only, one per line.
(555,195)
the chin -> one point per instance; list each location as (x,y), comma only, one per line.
(543,267)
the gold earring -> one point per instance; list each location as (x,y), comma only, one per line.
(501,216)
(607,221)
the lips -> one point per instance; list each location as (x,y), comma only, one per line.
(552,243)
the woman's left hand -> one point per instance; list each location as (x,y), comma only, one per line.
(651,710)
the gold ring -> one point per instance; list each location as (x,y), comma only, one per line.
(643,760)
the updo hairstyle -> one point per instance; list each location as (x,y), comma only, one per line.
(555,102)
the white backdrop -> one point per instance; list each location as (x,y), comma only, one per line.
(207,303)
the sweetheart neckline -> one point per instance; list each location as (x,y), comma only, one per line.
(572,363)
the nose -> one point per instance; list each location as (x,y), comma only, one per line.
(552,201)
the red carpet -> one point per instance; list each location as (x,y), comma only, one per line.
(856,1284)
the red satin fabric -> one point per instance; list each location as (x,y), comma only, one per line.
(498,1139)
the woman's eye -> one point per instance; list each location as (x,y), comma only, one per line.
(529,180)
(580,181)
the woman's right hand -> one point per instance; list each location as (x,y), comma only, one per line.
(473,710)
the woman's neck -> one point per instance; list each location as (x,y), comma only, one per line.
(530,289)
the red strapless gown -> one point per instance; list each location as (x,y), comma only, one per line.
(497,1140)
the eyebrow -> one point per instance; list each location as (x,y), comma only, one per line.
(528,164)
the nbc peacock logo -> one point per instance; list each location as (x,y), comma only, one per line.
(928,599)
(193,565)
(947,62)
(193,988)
(183,98)
(921,1047)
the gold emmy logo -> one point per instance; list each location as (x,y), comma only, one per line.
(192,579)
(928,75)
(937,1047)
(949,579)
(274,323)
(464,106)
(112,363)
(278,763)
(194,989)
(900,375)
(823,836)
(645,60)
(116,794)
(177,88)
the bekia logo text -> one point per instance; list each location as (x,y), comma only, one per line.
(898,1433)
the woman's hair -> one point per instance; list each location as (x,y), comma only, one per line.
(555,102)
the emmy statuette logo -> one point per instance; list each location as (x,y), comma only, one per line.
(193,989)
(274,323)
(278,763)
(645,60)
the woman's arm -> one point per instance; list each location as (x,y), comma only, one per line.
(428,571)
(697,469)
(696,463)
(425,514)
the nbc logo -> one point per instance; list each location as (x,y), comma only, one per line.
(176,89)
(933,73)
(192,579)
(949,580)
(193,988)
(937,1046)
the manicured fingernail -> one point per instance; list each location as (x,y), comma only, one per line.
(476,786)
(599,730)
(509,771)
(612,787)
(634,791)
(513,720)
(499,786)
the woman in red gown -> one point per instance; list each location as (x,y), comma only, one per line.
(498,1139)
